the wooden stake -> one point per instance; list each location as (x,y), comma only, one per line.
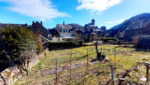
(147,74)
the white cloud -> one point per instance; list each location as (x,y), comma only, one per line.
(109,22)
(97,5)
(115,22)
(39,9)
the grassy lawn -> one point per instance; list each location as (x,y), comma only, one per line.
(96,73)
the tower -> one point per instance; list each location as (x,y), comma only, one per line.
(33,23)
(63,23)
(41,23)
(93,21)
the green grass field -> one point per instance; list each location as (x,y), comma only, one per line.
(96,73)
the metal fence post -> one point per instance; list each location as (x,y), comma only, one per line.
(56,70)
(70,65)
(115,56)
(112,74)
(87,60)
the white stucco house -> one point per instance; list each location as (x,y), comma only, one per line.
(65,32)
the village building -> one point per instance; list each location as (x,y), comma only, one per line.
(65,33)
(131,34)
(142,41)
(92,31)
(38,28)
(90,25)
(40,31)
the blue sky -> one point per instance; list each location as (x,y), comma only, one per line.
(106,12)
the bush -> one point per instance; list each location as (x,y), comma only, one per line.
(19,43)
(39,44)
(63,45)
(110,40)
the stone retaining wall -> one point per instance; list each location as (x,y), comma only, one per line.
(12,74)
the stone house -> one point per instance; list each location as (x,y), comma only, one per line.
(37,27)
(144,41)
(131,33)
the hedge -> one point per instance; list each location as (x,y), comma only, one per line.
(63,45)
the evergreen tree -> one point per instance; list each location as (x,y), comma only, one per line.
(19,44)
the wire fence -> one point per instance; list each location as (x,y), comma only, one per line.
(75,66)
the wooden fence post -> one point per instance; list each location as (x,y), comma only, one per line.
(147,74)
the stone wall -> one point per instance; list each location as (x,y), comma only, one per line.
(10,75)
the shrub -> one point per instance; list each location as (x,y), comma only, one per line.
(20,46)
(63,45)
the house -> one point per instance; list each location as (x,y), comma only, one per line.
(43,39)
(92,32)
(37,27)
(131,33)
(65,33)
(143,41)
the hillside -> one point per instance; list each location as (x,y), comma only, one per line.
(138,23)
(76,26)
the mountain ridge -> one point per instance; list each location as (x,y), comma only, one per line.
(139,22)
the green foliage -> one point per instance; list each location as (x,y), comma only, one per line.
(98,73)
(64,45)
(111,40)
(19,43)
(40,48)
